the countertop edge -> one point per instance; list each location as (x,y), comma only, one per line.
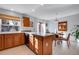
(10,32)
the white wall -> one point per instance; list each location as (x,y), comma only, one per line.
(35,21)
(71,21)
(51,26)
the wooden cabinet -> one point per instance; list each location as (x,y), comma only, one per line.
(31,42)
(22,39)
(9,17)
(38,45)
(2,42)
(47,45)
(26,21)
(18,39)
(11,40)
(41,45)
(35,44)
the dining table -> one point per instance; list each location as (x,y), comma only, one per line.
(57,37)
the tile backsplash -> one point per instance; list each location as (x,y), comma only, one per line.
(9,25)
(10,28)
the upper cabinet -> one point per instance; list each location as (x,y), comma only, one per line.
(26,22)
(9,17)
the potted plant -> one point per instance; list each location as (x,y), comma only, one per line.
(76,34)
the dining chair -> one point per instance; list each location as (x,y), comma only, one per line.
(66,39)
(56,38)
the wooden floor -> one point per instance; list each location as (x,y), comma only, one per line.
(60,49)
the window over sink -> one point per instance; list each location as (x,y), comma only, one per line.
(9,25)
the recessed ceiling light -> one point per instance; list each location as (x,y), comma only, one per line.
(12,9)
(41,4)
(33,10)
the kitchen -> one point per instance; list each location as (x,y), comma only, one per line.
(12,34)
(33,27)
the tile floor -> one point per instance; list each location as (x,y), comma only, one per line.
(60,49)
(19,50)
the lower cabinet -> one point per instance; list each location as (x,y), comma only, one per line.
(38,45)
(22,38)
(31,42)
(11,40)
(47,45)
(35,44)
(41,45)
(18,39)
(2,42)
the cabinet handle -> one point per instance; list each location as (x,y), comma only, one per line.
(46,44)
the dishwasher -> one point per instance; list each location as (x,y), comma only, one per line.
(27,39)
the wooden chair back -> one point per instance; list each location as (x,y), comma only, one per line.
(68,36)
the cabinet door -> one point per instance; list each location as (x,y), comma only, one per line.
(21,38)
(31,42)
(2,42)
(26,22)
(9,40)
(18,39)
(38,45)
(47,45)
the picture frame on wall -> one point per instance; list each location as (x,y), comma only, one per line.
(62,26)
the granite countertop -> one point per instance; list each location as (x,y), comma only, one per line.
(10,32)
(47,34)
(17,32)
(34,33)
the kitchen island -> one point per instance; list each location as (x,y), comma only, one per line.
(41,44)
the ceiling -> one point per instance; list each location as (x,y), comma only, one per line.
(44,11)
